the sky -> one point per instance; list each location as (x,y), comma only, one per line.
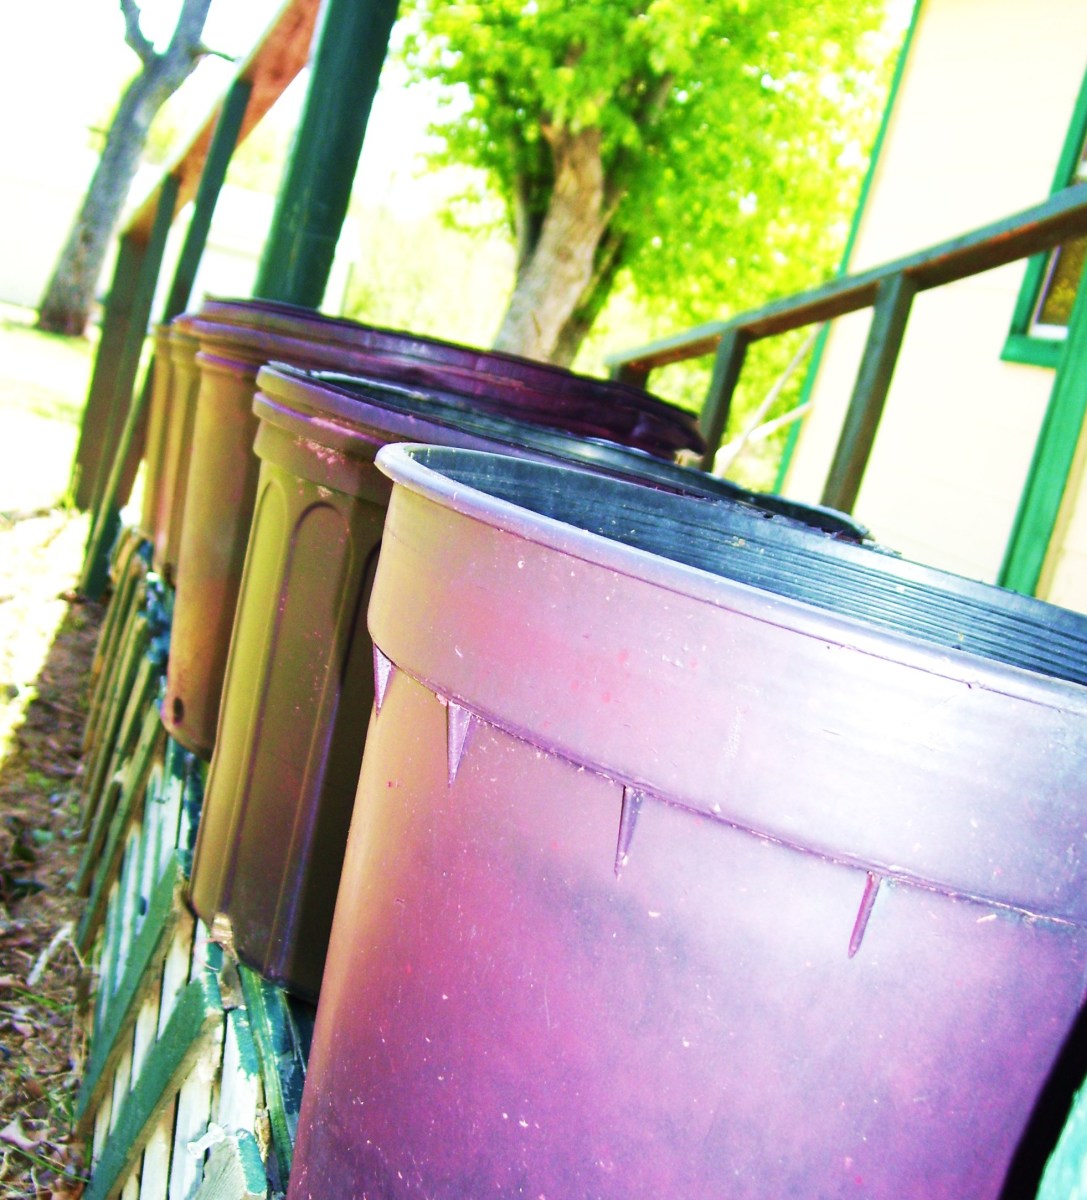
(64,63)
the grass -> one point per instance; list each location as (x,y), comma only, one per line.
(43,385)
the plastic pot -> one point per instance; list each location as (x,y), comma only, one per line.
(503,383)
(691,861)
(235,339)
(157,417)
(181,385)
(298,679)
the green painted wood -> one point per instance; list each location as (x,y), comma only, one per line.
(1054,453)
(129,661)
(197,1018)
(1032,351)
(137,979)
(1021,346)
(223,143)
(892,311)
(132,662)
(874,160)
(107,965)
(101,861)
(637,362)
(282,1048)
(193,773)
(1065,1174)
(121,617)
(234,1171)
(727,364)
(1037,228)
(349,49)
(630,374)
(127,413)
(101,422)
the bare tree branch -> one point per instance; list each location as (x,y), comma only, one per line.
(66,305)
(134,35)
(189,28)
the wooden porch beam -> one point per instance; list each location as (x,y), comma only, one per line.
(272,65)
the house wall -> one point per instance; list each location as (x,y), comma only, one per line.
(975,134)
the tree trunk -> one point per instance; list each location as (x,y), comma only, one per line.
(609,259)
(554,277)
(66,305)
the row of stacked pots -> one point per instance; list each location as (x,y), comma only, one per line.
(697,846)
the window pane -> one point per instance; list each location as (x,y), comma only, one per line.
(1060,290)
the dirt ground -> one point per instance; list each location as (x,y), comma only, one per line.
(47,641)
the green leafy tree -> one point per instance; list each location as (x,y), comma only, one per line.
(705,154)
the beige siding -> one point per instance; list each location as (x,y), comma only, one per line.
(975,136)
(1064,580)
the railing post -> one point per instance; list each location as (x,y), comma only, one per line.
(631,374)
(144,262)
(891,312)
(350,47)
(728,361)
(1054,452)
(100,420)
(223,143)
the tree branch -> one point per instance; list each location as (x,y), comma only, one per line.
(134,35)
(206,51)
(186,39)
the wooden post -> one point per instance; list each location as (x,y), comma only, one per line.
(350,46)
(223,143)
(126,414)
(727,364)
(101,423)
(891,312)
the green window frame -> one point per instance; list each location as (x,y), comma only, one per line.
(1029,340)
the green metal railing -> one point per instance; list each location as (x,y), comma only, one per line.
(889,291)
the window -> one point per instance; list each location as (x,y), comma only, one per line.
(1049,286)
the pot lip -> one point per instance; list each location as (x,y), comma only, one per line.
(278,318)
(340,396)
(651,418)
(401,462)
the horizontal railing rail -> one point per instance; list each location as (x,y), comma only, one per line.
(888,290)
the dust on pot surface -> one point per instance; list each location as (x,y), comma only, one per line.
(688,864)
(298,681)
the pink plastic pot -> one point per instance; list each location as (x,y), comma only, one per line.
(298,680)
(689,864)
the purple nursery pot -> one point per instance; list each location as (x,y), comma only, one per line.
(691,859)
(235,338)
(298,681)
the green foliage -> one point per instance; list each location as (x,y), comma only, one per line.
(733,141)
(732,133)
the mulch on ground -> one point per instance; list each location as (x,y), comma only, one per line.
(47,641)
